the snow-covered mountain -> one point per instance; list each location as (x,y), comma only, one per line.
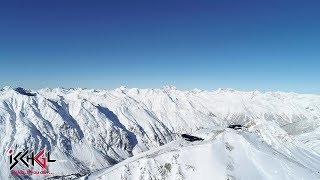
(88,130)
(224,154)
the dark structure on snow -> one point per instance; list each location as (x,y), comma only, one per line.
(191,138)
(235,126)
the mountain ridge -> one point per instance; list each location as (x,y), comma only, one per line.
(110,126)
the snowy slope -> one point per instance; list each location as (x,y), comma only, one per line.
(224,154)
(87,130)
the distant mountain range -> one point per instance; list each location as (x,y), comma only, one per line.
(89,131)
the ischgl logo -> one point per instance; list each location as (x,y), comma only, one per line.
(28,158)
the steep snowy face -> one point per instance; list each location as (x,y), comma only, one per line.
(88,130)
(224,154)
(82,135)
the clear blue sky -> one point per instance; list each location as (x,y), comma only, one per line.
(246,45)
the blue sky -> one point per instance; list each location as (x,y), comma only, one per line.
(246,45)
